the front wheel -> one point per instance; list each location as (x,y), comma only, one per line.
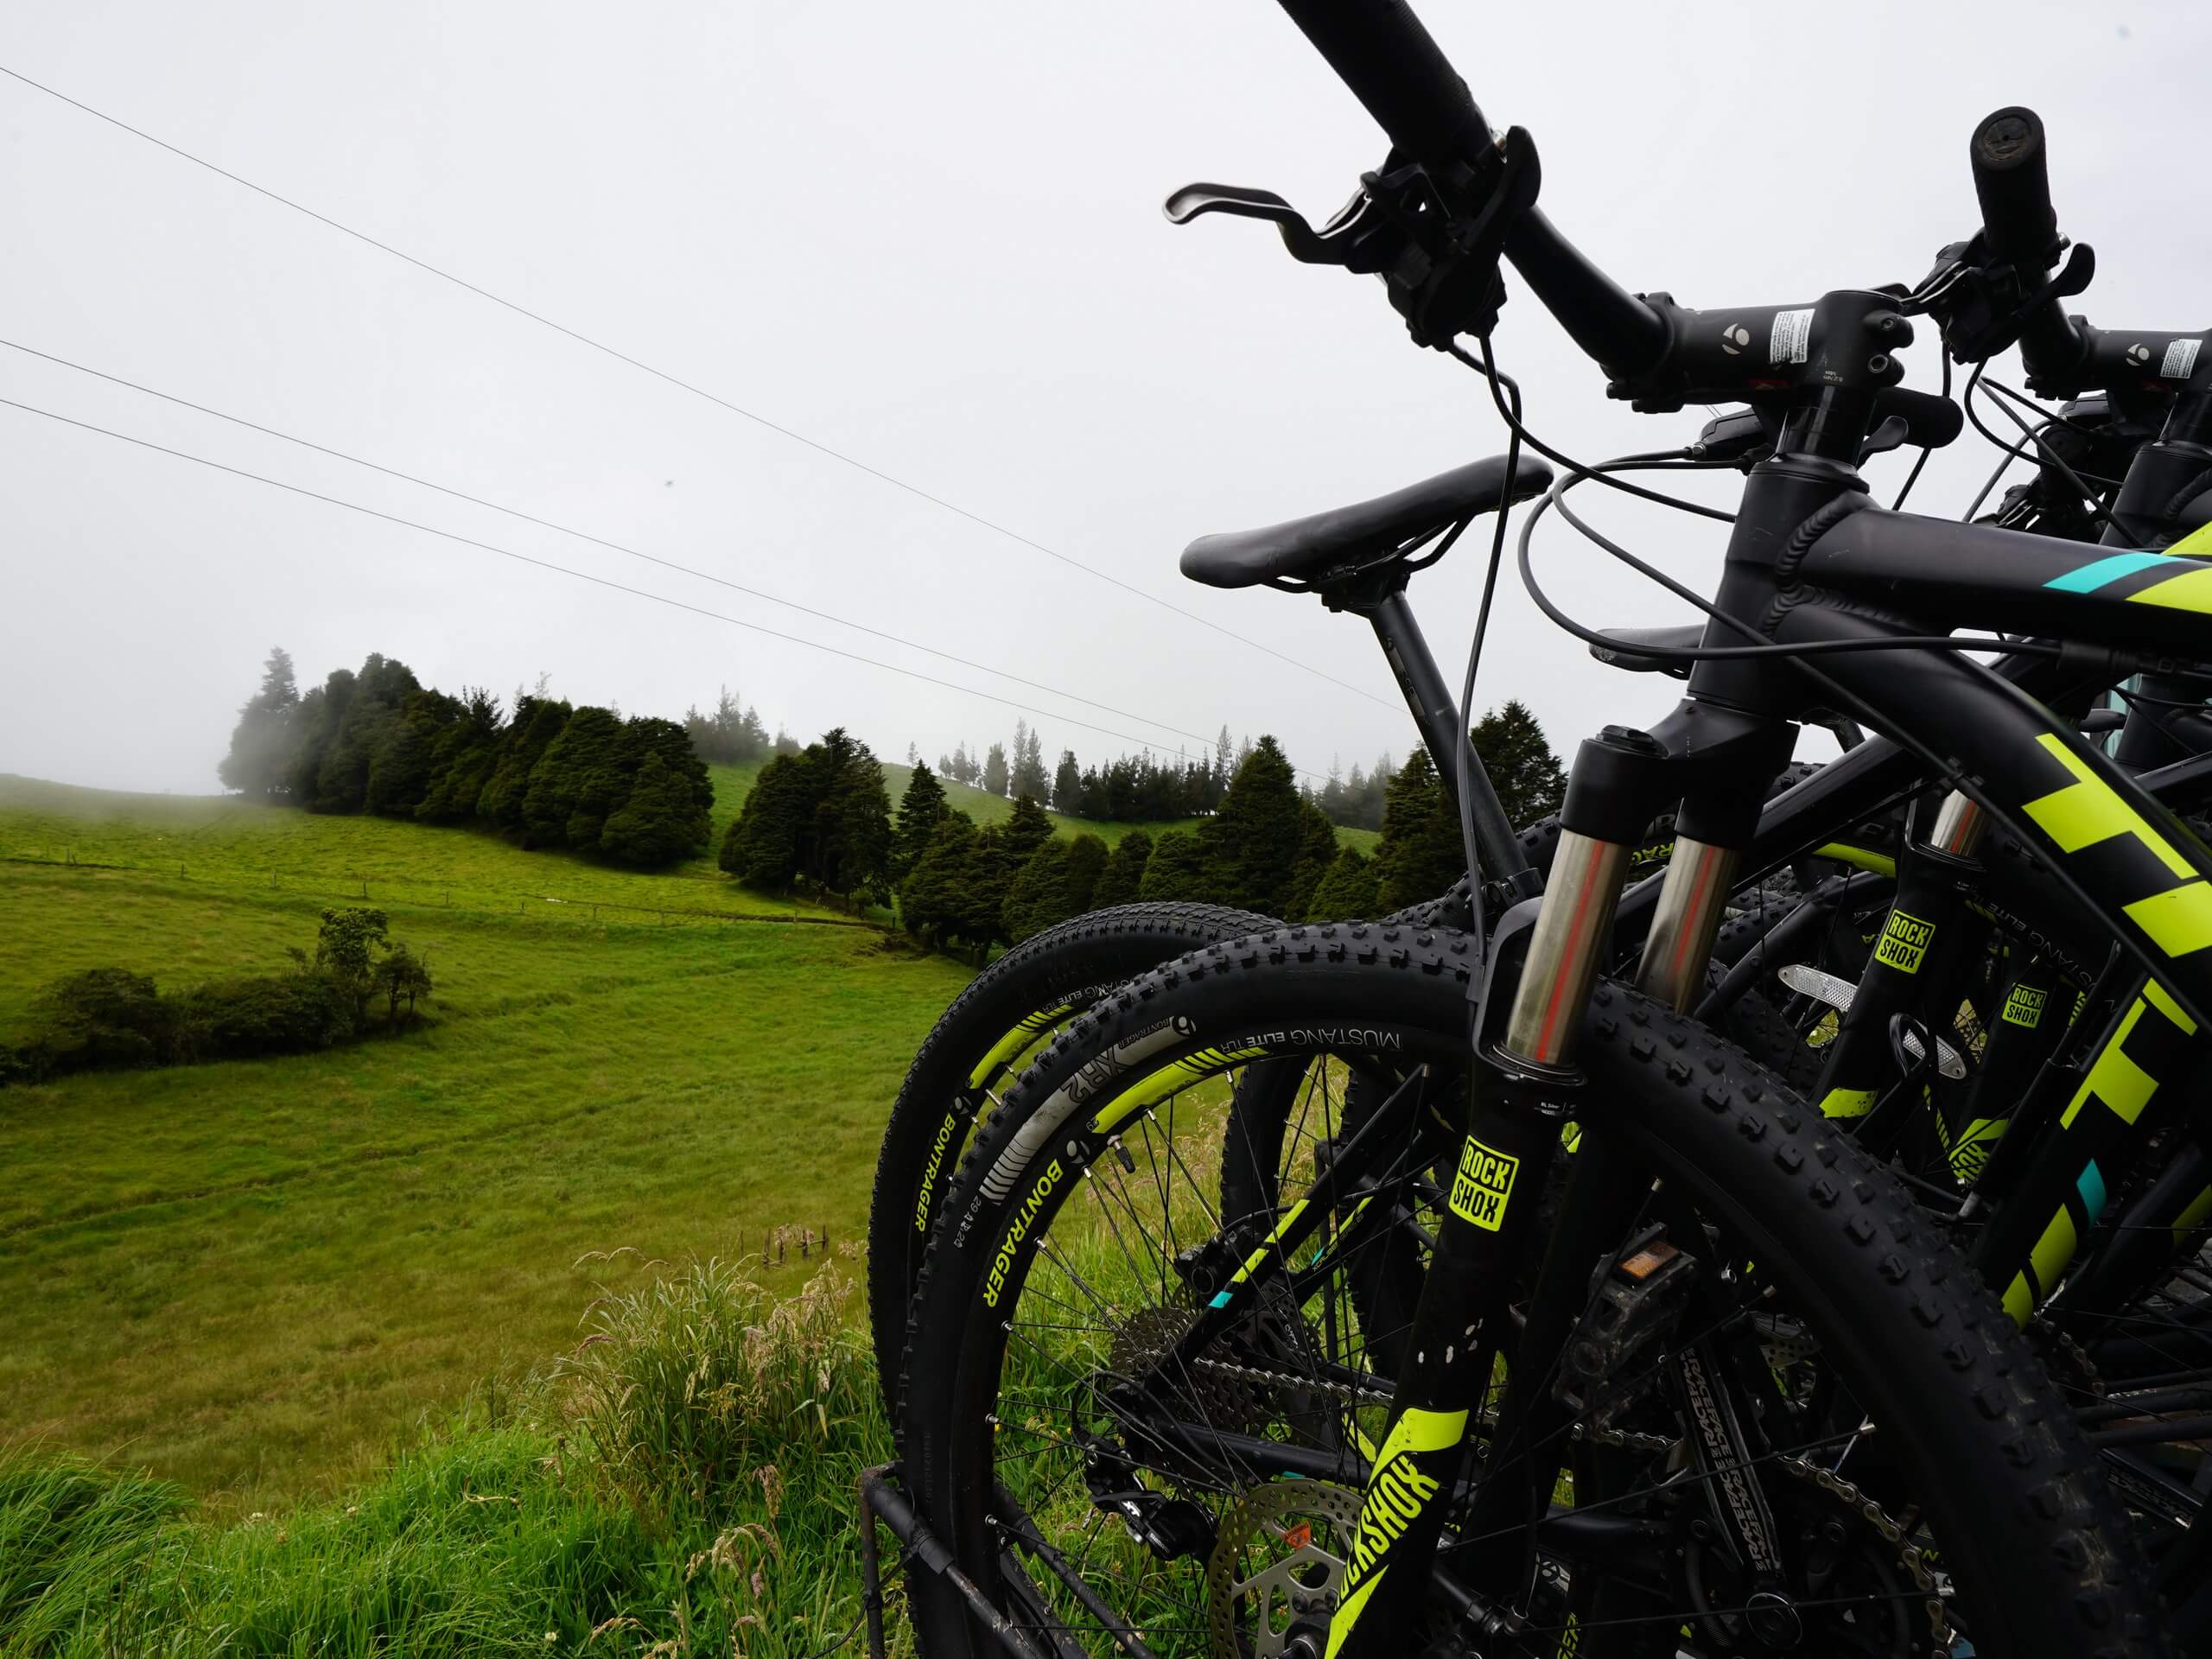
(1920,1488)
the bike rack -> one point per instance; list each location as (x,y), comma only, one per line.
(884,1501)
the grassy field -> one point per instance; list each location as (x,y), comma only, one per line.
(248,1277)
(318,1322)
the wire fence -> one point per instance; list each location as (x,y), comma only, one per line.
(425,895)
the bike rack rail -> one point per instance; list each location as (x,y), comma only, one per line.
(884,1501)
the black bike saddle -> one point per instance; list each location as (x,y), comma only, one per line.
(1308,549)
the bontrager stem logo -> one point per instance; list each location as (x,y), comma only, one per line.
(1905,942)
(1733,337)
(2138,352)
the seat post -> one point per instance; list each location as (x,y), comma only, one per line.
(1437,715)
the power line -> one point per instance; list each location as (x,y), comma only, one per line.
(583,575)
(685,386)
(600,541)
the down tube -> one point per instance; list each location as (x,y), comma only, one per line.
(2124,853)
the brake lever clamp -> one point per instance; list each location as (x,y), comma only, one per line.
(1436,240)
(1978,302)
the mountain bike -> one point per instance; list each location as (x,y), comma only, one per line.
(1734,1303)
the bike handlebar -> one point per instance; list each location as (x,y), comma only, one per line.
(1393,65)
(2013,185)
(2011,179)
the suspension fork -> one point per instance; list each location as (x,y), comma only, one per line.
(2020,1038)
(1920,962)
(1520,1088)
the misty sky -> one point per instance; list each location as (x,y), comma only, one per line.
(928,237)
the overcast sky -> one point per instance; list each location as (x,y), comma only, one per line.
(927,237)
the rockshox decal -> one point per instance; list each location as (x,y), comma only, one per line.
(1483,1185)
(1398,1491)
(2024,1006)
(1970,1152)
(1905,942)
(1019,1231)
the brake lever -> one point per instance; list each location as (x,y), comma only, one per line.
(1438,262)
(1306,246)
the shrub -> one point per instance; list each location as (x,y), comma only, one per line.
(268,1014)
(103,1016)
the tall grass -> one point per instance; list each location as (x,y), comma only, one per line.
(681,1485)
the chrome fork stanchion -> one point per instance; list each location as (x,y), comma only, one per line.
(1564,949)
(1691,901)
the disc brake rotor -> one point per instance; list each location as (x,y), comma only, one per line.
(1281,1558)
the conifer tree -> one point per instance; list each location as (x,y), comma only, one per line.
(921,809)
(1522,768)
(1347,893)
(1420,854)
(1027,829)
(1251,844)
(261,741)
(763,846)
(1120,881)
(930,898)
(1033,900)
(1067,785)
(1176,872)
(1317,851)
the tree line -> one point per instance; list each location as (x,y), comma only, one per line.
(821,818)
(543,772)
(1145,788)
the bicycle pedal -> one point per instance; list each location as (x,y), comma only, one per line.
(1636,1299)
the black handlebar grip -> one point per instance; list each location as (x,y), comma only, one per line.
(1382,51)
(2014,185)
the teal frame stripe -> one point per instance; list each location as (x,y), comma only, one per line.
(2092,1188)
(2101,572)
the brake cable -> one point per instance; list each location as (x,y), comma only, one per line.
(2088,498)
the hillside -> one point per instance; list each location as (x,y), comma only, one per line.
(254,1275)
